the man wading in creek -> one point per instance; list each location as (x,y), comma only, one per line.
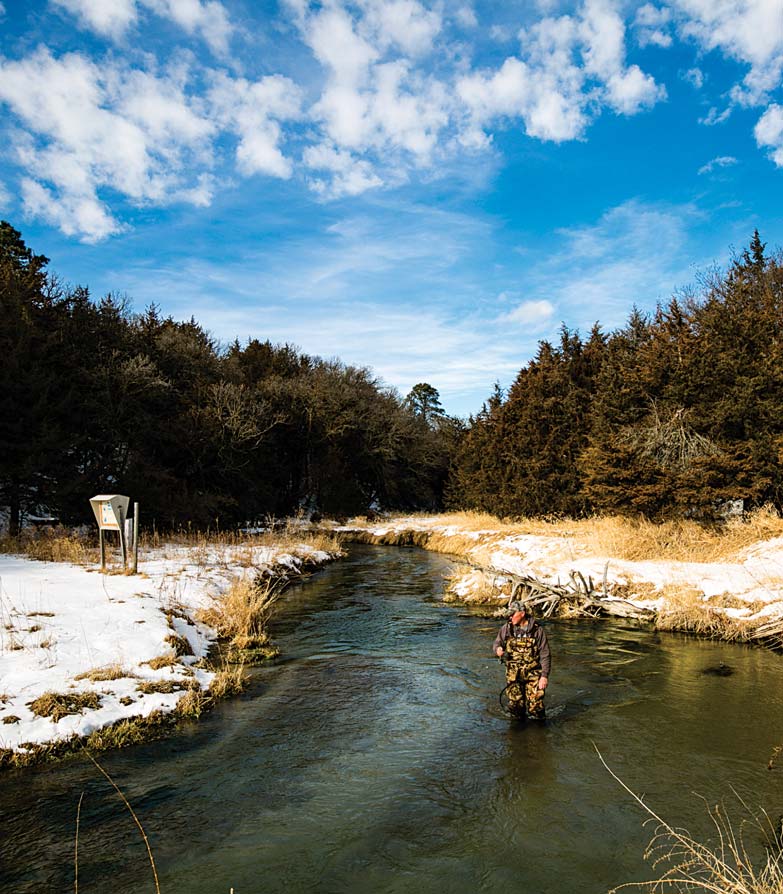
(523,644)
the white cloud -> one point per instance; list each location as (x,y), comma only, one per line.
(566,64)
(722,161)
(750,31)
(76,214)
(714,116)
(350,176)
(466,17)
(110,19)
(404,24)
(91,127)
(652,23)
(378,112)
(531,314)
(769,133)
(253,111)
(694,77)
(113,18)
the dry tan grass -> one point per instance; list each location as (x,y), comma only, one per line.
(238,544)
(160,661)
(59,704)
(684,609)
(621,538)
(108,672)
(148,687)
(684,864)
(51,545)
(179,644)
(240,615)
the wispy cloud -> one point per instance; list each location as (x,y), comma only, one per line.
(722,161)
(636,253)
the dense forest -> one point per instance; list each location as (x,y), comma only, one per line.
(97,399)
(679,412)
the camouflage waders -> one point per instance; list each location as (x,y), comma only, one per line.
(523,670)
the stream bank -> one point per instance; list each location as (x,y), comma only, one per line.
(737,599)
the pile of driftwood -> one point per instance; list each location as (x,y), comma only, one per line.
(578,596)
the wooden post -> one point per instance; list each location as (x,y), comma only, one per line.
(123,544)
(103,549)
(135,567)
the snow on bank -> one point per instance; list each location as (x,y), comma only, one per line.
(61,622)
(754,579)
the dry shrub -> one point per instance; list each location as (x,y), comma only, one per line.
(11,718)
(108,672)
(148,687)
(162,661)
(230,679)
(240,615)
(685,610)
(59,704)
(51,545)
(180,645)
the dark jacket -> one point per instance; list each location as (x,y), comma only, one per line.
(529,628)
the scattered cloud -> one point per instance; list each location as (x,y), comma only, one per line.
(568,66)
(652,25)
(769,133)
(254,112)
(602,269)
(91,127)
(722,161)
(749,31)
(466,16)
(694,77)
(395,90)
(531,314)
(205,18)
(714,116)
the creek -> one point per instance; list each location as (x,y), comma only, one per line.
(373,755)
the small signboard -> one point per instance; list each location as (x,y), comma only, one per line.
(110,510)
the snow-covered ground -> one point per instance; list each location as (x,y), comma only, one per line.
(750,587)
(60,623)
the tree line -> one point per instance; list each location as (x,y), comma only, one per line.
(97,399)
(677,413)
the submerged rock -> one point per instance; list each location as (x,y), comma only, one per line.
(719,670)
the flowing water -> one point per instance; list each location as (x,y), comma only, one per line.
(374,756)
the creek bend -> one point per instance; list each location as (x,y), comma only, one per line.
(374,756)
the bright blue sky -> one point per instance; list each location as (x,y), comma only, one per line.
(427,189)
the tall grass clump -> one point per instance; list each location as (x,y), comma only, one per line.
(728,866)
(240,614)
(685,610)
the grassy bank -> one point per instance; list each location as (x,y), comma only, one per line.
(611,565)
(192,588)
